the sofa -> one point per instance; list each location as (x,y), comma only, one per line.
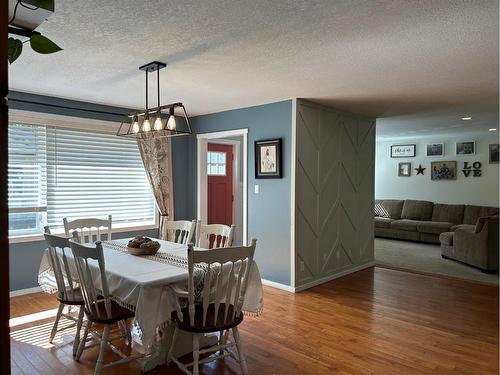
(467,233)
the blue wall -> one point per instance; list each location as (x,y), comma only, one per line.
(268,211)
(25,258)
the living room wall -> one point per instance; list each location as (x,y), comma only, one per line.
(482,190)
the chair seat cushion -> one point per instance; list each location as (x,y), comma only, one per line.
(446,238)
(99,315)
(463,226)
(434,227)
(71,297)
(382,222)
(210,325)
(405,224)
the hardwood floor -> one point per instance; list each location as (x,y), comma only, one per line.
(376,321)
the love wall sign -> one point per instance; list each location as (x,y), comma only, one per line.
(473,170)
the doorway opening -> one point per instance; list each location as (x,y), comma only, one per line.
(222,180)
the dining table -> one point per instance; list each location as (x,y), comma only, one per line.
(144,285)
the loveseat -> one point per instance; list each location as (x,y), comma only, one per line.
(467,233)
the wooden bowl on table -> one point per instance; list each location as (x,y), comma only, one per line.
(141,245)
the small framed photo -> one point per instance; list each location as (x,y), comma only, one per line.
(435,149)
(404,169)
(466,148)
(268,159)
(494,153)
(403,151)
(443,170)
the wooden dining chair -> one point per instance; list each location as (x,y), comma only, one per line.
(209,236)
(89,230)
(181,231)
(225,282)
(99,308)
(68,293)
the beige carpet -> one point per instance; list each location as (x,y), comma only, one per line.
(424,258)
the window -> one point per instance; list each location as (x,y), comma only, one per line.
(27,179)
(216,163)
(57,172)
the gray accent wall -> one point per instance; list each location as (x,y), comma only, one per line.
(334,192)
(269,211)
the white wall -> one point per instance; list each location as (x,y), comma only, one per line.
(466,190)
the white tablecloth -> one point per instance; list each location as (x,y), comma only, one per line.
(141,283)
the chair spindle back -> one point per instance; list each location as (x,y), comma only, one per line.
(225,280)
(181,231)
(89,230)
(210,236)
(93,298)
(59,262)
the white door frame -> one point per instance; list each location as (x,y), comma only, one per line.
(201,174)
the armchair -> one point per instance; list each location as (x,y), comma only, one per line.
(478,246)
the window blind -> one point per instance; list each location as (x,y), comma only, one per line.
(27,181)
(95,175)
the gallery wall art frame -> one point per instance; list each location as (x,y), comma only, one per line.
(403,151)
(404,169)
(268,158)
(443,170)
(434,150)
(465,148)
(494,153)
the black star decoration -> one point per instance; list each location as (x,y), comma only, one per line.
(420,169)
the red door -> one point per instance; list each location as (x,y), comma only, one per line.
(220,184)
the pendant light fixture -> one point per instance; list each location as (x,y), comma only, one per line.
(161,121)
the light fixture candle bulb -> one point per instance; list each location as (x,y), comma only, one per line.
(146,126)
(158,124)
(171,125)
(135,125)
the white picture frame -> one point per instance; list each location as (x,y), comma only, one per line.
(434,150)
(465,148)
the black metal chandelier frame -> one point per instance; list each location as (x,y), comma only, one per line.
(138,125)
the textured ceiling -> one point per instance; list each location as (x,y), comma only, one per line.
(409,63)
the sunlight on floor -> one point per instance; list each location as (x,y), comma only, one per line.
(24,319)
(38,335)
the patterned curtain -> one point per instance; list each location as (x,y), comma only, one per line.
(156,155)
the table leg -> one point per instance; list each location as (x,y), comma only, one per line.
(183,346)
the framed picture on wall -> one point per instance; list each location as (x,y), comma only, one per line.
(443,170)
(403,151)
(494,153)
(404,169)
(268,158)
(434,149)
(466,148)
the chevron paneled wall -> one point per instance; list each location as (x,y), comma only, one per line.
(335,155)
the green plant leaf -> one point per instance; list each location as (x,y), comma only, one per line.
(42,44)
(15,47)
(45,4)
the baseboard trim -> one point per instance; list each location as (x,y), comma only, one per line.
(22,292)
(276,285)
(333,277)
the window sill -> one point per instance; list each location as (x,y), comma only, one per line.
(117,229)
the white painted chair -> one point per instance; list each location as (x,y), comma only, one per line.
(209,236)
(99,308)
(68,294)
(225,282)
(89,230)
(181,231)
